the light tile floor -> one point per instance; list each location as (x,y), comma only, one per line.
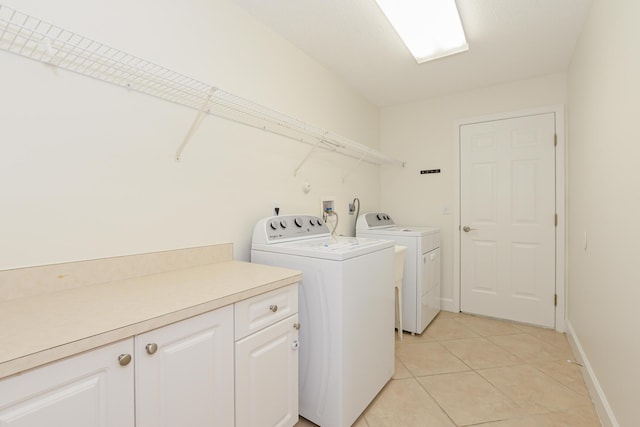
(475,371)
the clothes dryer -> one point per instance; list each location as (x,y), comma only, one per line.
(346,310)
(422,268)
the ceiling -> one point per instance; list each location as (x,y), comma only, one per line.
(509,40)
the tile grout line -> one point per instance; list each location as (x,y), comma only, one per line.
(476,371)
(430,339)
(434,399)
(560,383)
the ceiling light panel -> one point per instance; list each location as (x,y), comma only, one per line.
(431,29)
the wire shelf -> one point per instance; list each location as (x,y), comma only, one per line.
(33,38)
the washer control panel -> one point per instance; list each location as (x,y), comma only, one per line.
(292,227)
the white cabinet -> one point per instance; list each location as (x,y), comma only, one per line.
(184,373)
(267,359)
(196,372)
(91,389)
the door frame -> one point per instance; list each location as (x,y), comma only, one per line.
(560,171)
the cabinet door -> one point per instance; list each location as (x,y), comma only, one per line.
(267,376)
(184,373)
(91,389)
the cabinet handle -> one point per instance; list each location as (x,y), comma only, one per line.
(124,359)
(151,348)
(296,326)
(273,308)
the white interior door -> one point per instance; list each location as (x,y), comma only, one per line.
(507,214)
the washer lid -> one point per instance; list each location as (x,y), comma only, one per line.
(398,230)
(332,248)
(412,231)
(378,223)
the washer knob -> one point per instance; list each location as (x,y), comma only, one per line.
(312,222)
(283,224)
(298,222)
(380,217)
(273,224)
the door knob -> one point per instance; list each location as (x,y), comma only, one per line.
(467,229)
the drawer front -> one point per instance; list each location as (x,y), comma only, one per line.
(263,310)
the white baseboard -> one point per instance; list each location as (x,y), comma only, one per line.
(607,418)
(446,304)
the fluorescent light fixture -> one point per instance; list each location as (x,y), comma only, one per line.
(431,29)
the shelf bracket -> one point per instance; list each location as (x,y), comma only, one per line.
(195,123)
(302,162)
(344,177)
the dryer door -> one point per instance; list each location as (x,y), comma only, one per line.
(430,287)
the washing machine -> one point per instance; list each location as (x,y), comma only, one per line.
(421,281)
(346,311)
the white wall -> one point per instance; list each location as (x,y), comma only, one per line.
(422,134)
(604,201)
(87,168)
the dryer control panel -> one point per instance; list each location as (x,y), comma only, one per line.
(284,228)
(375,220)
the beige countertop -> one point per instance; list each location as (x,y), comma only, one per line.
(40,329)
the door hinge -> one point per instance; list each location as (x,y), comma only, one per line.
(555,139)
(555,300)
(555,220)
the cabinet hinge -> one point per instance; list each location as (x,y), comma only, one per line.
(555,220)
(555,300)
(555,139)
